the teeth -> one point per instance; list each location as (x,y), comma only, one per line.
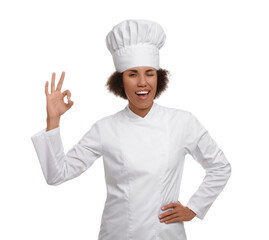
(142,92)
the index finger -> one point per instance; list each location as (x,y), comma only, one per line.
(60,83)
(169,205)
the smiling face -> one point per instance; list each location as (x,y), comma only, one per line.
(140,79)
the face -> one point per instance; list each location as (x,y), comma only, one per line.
(140,79)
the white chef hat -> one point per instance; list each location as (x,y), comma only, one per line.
(135,42)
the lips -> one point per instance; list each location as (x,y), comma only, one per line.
(142,92)
(143,96)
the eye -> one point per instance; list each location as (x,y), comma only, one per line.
(131,75)
(150,75)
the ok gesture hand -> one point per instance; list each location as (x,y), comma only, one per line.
(55,100)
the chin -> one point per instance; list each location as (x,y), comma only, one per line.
(143,104)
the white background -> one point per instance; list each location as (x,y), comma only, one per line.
(217,53)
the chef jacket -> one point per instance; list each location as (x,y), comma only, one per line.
(143,160)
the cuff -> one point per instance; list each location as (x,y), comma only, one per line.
(48,133)
(196,210)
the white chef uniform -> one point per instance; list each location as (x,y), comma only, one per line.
(143,161)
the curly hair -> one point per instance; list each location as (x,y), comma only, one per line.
(115,83)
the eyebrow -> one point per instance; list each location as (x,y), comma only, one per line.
(146,70)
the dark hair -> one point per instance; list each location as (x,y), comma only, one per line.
(115,83)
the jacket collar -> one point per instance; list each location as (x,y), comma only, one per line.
(133,116)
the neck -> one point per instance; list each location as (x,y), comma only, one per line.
(142,112)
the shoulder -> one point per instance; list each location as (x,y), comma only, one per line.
(107,119)
(174,113)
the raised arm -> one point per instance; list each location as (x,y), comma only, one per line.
(57,166)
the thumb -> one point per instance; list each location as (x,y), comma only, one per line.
(70,102)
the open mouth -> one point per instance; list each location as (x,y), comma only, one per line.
(142,93)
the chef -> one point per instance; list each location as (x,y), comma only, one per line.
(143,146)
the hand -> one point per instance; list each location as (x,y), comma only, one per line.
(179,213)
(55,100)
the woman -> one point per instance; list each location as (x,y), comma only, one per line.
(143,146)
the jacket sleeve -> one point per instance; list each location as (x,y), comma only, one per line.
(59,167)
(203,148)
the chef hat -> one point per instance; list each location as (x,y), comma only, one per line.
(135,42)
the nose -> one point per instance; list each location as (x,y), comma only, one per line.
(141,81)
